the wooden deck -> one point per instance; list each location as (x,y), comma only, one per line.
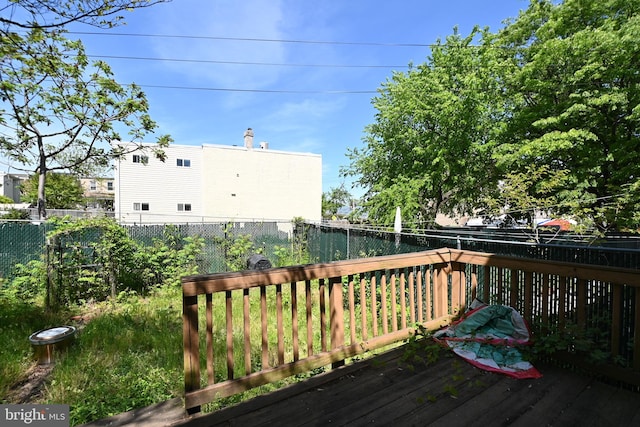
(386,391)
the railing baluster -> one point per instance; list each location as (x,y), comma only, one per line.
(394,302)
(336,318)
(440,292)
(374,303)
(513,289)
(363,306)
(263,327)
(308,305)
(428,293)
(323,316)
(403,301)
(383,298)
(473,290)
(229,322)
(419,297)
(581,302)
(412,299)
(352,311)
(500,284)
(486,286)
(457,281)
(562,301)
(616,320)
(247,331)
(294,321)
(279,324)
(209,339)
(636,330)
(545,298)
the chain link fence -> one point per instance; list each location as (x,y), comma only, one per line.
(328,243)
(21,242)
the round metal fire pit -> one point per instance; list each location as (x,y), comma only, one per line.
(49,341)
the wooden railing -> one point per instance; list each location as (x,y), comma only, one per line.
(255,327)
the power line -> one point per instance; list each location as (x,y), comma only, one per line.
(213,89)
(176,36)
(278,64)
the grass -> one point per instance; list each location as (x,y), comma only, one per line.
(128,352)
(129,355)
(18,320)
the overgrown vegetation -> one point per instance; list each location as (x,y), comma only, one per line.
(590,343)
(14,213)
(541,116)
(91,259)
(124,298)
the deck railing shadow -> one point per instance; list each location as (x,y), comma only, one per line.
(263,326)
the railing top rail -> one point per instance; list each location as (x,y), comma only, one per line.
(217,282)
(582,271)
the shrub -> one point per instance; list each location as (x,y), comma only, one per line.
(14,213)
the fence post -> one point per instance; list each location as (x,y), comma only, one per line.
(191,346)
(336,316)
(348,247)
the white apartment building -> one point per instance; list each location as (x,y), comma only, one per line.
(217,183)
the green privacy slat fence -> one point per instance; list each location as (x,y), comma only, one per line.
(21,242)
(330,243)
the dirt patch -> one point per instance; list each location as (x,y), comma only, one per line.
(30,388)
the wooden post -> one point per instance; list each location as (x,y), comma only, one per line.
(336,318)
(191,347)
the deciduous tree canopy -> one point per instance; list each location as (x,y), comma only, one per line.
(542,115)
(57,110)
(60,112)
(56,14)
(62,191)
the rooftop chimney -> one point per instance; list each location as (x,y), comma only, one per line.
(248,138)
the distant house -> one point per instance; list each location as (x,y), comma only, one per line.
(217,183)
(11,185)
(99,192)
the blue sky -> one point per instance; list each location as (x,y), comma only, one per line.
(318,99)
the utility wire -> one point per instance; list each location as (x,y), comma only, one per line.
(278,64)
(174,36)
(322,92)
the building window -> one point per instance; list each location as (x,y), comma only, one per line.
(185,163)
(93,186)
(184,207)
(141,206)
(109,185)
(138,158)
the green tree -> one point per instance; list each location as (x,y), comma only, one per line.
(62,191)
(572,75)
(56,14)
(429,150)
(60,112)
(333,200)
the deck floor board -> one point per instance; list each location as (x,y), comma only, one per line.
(387,391)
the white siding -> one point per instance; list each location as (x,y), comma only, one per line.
(223,182)
(163,185)
(258,184)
